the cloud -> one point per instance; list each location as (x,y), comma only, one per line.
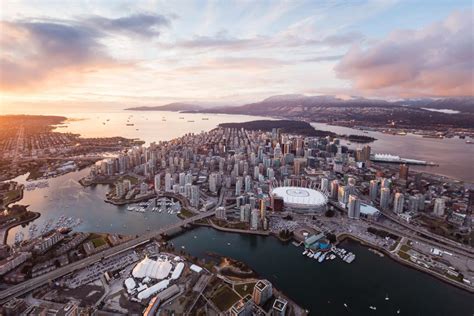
(436,60)
(143,24)
(222,41)
(323,58)
(34,52)
(243,64)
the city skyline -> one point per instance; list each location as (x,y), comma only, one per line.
(228,53)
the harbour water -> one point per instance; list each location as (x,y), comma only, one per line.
(324,288)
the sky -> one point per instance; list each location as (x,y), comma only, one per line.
(121,53)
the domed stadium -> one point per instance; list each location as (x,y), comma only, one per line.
(301,198)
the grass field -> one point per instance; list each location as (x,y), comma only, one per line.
(224,298)
(98,242)
(245,288)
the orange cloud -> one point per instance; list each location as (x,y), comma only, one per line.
(434,61)
(38,53)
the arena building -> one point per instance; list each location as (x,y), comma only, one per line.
(301,199)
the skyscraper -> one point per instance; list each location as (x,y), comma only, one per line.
(439,207)
(403,173)
(238,186)
(194,195)
(254,219)
(262,291)
(157,183)
(324,184)
(374,189)
(413,203)
(168,182)
(354,207)
(343,195)
(398,202)
(213,182)
(384,198)
(334,189)
(386,183)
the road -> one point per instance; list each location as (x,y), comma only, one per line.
(32,284)
(438,238)
(416,234)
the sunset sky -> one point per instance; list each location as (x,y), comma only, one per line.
(116,53)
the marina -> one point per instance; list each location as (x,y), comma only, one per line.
(331,254)
(30,186)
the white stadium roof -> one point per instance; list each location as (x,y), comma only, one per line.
(301,196)
(154,289)
(177,271)
(152,269)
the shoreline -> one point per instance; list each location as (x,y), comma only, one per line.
(25,221)
(405,262)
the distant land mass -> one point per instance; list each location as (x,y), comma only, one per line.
(353,111)
(293,127)
(176,107)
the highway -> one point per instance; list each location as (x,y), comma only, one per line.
(438,238)
(416,234)
(32,284)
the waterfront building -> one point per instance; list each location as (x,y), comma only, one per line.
(354,207)
(242,307)
(262,291)
(14,261)
(119,189)
(221,213)
(45,243)
(245,213)
(384,198)
(439,206)
(263,208)
(254,219)
(398,203)
(157,183)
(279,307)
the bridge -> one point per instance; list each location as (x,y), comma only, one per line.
(29,285)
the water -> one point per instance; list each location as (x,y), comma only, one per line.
(65,196)
(453,155)
(324,288)
(149,126)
